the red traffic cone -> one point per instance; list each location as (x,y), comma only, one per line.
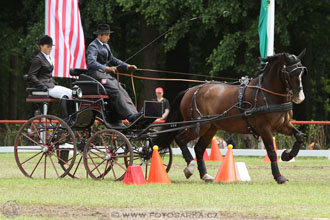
(215,151)
(157,173)
(134,175)
(227,171)
(205,156)
(266,159)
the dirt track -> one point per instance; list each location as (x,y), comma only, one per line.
(71,212)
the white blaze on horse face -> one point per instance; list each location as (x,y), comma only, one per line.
(301,96)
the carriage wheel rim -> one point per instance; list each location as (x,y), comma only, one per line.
(41,155)
(109,156)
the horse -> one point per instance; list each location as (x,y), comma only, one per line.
(261,106)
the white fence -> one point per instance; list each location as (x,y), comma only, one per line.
(237,152)
(262,153)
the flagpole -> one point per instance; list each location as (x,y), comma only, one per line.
(270,28)
(266,27)
(46,16)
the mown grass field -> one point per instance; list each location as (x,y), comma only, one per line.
(307,196)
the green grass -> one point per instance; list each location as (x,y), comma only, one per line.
(306,196)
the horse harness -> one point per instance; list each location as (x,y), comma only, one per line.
(244,81)
(245,112)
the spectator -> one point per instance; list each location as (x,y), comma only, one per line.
(166,106)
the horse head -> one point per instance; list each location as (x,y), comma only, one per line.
(294,71)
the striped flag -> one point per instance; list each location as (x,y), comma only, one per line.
(63,24)
(266,28)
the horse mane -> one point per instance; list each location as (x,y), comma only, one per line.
(264,68)
(271,58)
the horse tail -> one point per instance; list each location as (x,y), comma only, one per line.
(164,140)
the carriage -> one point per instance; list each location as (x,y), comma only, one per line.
(261,106)
(48,146)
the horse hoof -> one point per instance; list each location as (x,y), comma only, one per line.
(282,180)
(189,170)
(285,155)
(207,178)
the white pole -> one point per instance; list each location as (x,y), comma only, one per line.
(46,16)
(270,28)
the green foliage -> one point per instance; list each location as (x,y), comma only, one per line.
(8,134)
(222,36)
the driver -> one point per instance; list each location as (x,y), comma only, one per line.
(100,63)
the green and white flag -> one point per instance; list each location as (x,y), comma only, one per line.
(266,27)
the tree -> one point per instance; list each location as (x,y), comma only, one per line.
(217,38)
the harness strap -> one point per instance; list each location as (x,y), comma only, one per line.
(241,90)
(193,104)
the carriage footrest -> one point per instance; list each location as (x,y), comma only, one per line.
(152,111)
(142,122)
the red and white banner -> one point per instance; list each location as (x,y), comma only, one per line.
(63,24)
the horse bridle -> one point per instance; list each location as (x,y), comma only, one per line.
(288,70)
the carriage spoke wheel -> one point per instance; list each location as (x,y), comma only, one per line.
(108,152)
(142,153)
(78,170)
(43,145)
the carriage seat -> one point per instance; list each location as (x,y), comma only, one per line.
(91,88)
(37,95)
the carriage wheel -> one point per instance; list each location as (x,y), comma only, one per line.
(142,153)
(43,145)
(82,137)
(108,151)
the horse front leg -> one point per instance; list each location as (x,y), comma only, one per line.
(287,155)
(268,141)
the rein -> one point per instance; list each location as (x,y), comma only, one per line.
(159,79)
(187,74)
(132,76)
(269,91)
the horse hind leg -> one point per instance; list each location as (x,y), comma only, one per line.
(200,148)
(182,140)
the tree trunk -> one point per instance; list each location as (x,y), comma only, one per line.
(14,64)
(149,61)
(177,60)
(2,98)
(320,111)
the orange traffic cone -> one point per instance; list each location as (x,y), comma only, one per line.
(215,151)
(205,156)
(227,171)
(157,173)
(266,159)
(134,175)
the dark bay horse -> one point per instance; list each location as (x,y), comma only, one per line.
(262,106)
